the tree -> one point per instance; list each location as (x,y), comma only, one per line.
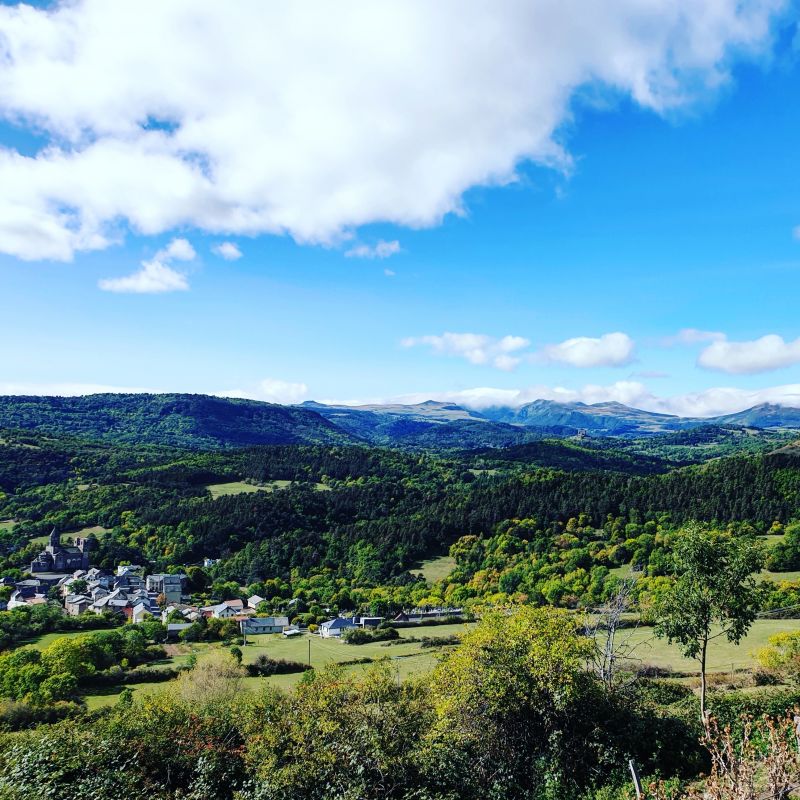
(603,628)
(714,595)
(508,703)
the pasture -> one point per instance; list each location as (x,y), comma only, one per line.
(408,658)
(98,530)
(242,487)
(434,569)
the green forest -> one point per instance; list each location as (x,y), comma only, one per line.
(553,545)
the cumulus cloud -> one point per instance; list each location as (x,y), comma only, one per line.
(707,403)
(227,250)
(476,348)
(609,350)
(309,120)
(155,276)
(271,390)
(380,250)
(176,250)
(747,358)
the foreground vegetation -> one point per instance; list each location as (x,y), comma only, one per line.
(510,713)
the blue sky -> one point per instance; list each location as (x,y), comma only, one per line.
(592,227)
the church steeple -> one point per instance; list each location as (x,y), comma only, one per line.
(55,539)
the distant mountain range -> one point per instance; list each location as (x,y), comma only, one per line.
(200,421)
(550,417)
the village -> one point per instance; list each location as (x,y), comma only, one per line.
(62,573)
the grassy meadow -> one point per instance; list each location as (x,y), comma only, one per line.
(434,569)
(98,530)
(241,487)
(410,658)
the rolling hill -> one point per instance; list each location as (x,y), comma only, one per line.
(206,422)
(179,420)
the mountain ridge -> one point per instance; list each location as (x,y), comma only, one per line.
(205,421)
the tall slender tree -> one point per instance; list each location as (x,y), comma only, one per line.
(715,594)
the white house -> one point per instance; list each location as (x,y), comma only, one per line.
(220,611)
(253,601)
(336,627)
(142,612)
(254,625)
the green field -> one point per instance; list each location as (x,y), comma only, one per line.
(240,487)
(407,658)
(434,569)
(98,530)
(7,524)
(781,576)
(46,639)
(722,655)
(624,571)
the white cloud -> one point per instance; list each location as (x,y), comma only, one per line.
(707,403)
(627,392)
(310,119)
(476,348)
(155,276)
(380,250)
(271,390)
(389,273)
(609,350)
(176,250)
(796,232)
(227,250)
(689,336)
(747,358)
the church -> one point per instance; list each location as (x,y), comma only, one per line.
(56,558)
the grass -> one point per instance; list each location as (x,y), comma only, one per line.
(408,658)
(434,569)
(722,654)
(46,639)
(98,530)
(7,524)
(241,487)
(781,576)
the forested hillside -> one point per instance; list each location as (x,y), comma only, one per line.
(358,514)
(181,420)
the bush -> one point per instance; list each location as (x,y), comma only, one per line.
(429,622)
(365,636)
(264,666)
(440,641)
(17,716)
(115,676)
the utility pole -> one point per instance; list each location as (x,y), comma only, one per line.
(637,781)
(309,652)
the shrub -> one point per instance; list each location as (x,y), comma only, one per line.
(265,666)
(365,636)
